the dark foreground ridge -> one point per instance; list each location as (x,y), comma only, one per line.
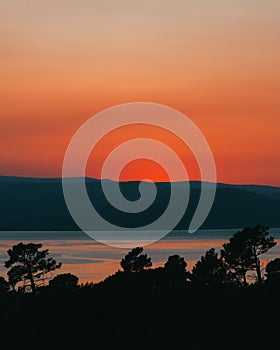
(29,204)
(212,306)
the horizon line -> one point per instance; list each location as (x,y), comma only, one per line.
(136,180)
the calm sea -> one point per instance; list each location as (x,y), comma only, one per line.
(93,261)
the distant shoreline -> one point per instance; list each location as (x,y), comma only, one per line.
(201,234)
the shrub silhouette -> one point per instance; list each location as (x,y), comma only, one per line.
(64,281)
(273,271)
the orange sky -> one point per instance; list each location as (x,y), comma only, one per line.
(215,61)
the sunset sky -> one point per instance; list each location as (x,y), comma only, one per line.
(218,62)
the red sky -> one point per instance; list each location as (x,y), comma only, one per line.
(215,61)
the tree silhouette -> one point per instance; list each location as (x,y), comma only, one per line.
(273,271)
(176,268)
(4,285)
(243,251)
(15,275)
(175,263)
(29,264)
(211,270)
(135,261)
(64,281)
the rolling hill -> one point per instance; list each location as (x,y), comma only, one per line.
(38,204)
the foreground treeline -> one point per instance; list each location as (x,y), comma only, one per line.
(228,300)
(238,262)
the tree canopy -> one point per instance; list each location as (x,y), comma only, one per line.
(243,251)
(175,267)
(135,261)
(28,264)
(211,270)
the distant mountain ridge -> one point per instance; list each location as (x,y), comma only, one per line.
(38,204)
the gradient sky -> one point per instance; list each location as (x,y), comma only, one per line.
(216,61)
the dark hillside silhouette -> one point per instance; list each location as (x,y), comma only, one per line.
(38,204)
